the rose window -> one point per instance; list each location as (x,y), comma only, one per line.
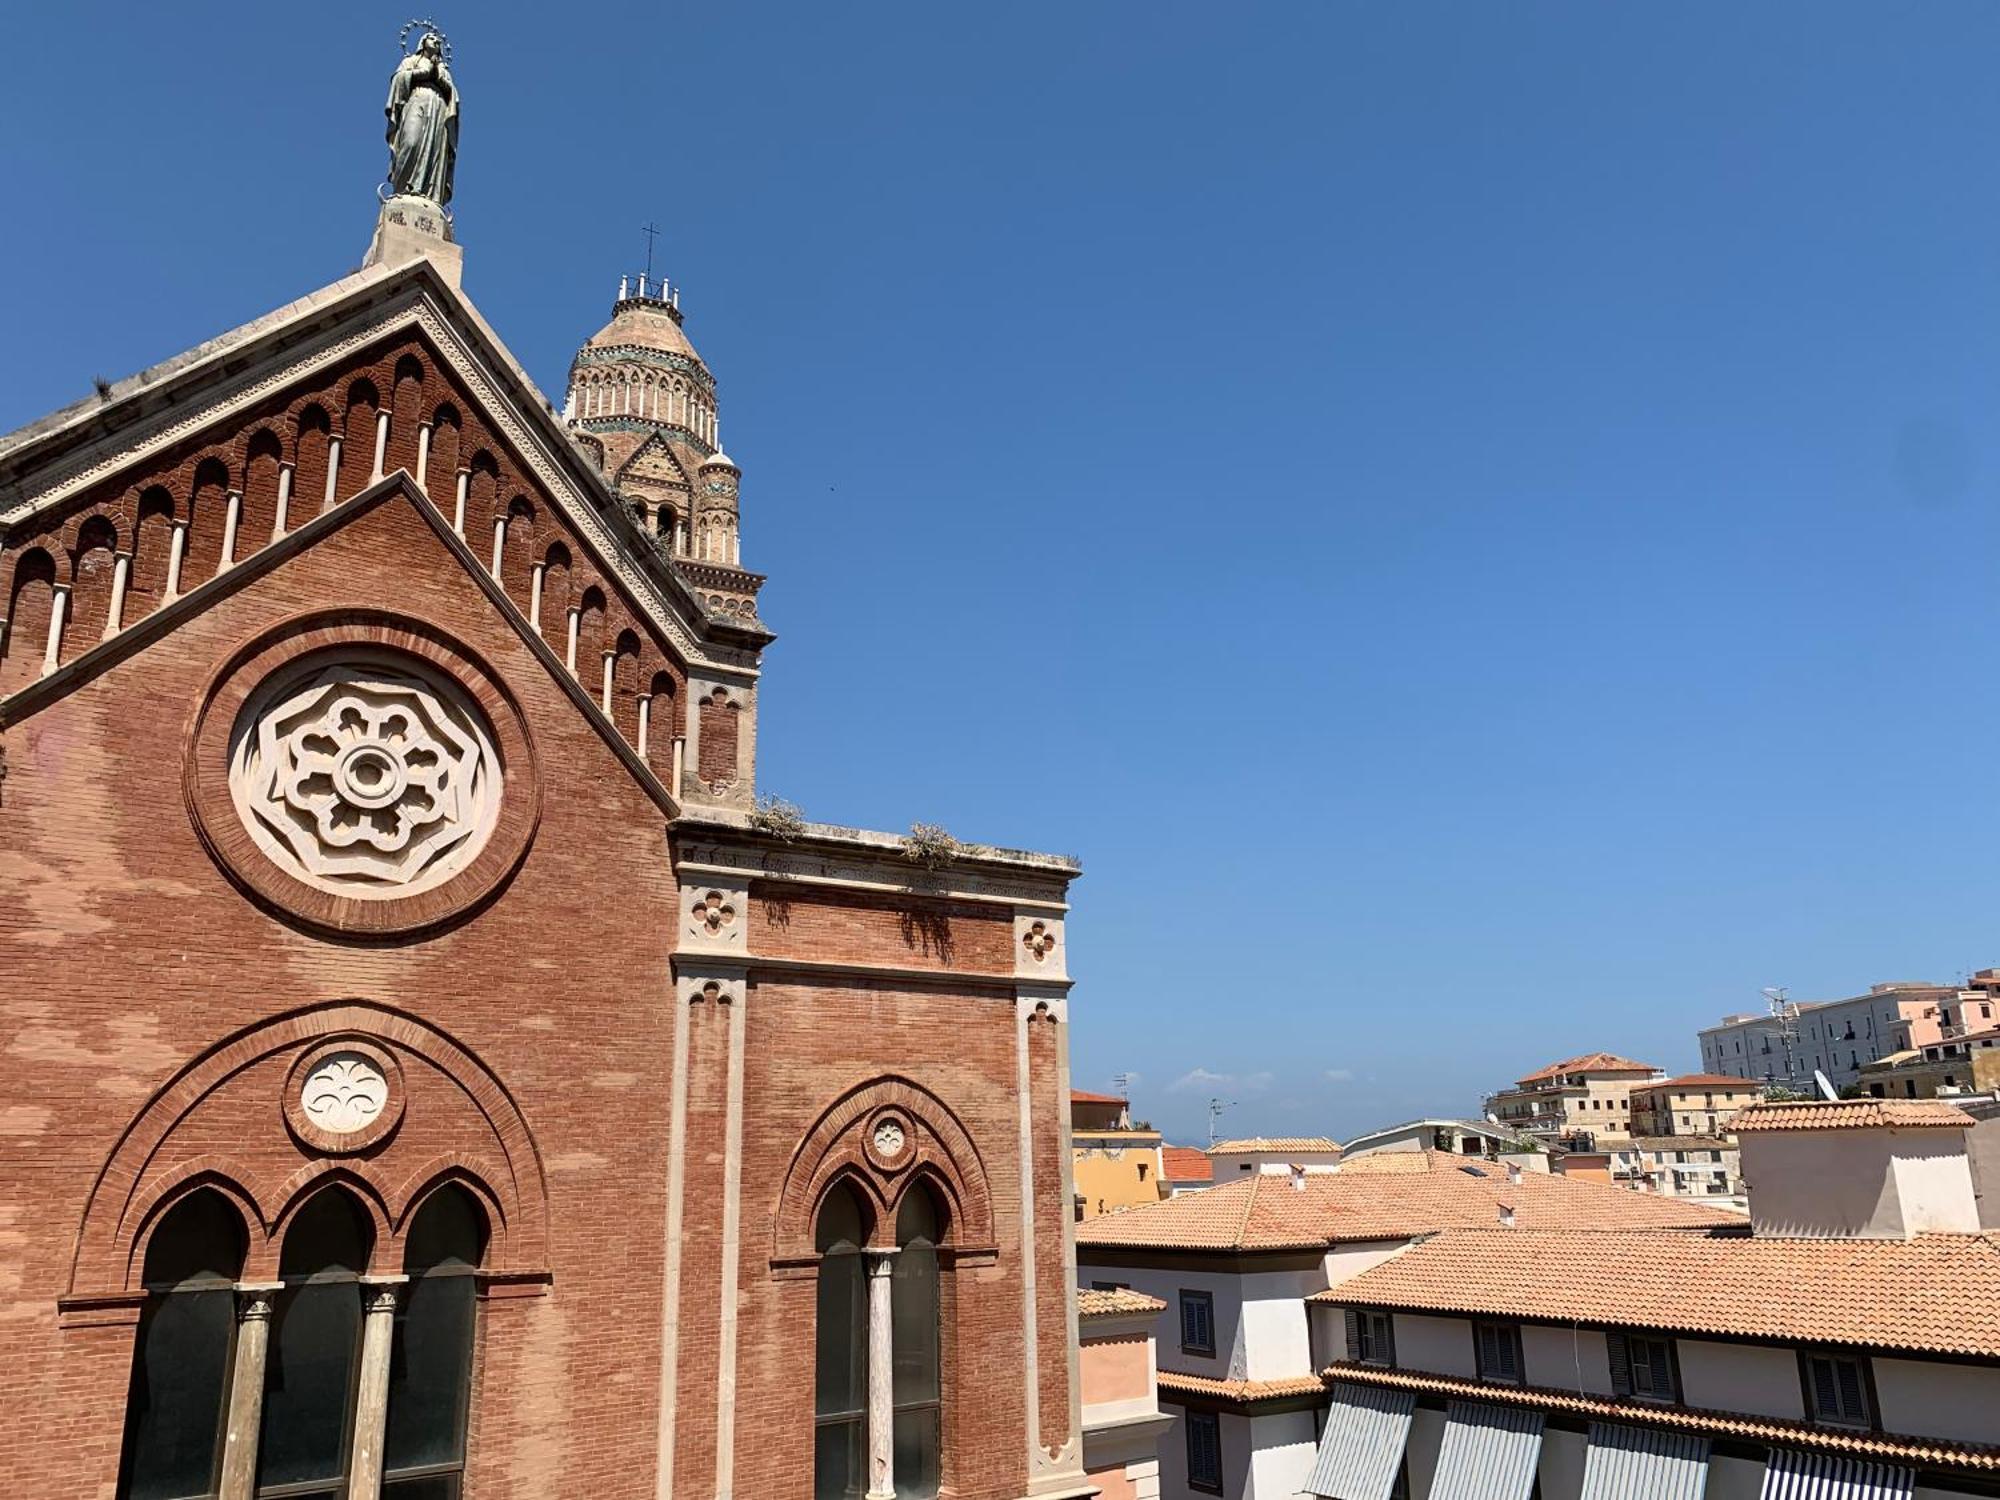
(369,778)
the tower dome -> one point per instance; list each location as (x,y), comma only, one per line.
(640,394)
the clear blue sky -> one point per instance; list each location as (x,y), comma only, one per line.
(1475,521)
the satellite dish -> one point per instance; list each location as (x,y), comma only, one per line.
(1826,1088)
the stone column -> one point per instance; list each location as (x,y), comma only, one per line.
(379,1295)
(499,542)
(458,506)
(535,596)
(423,454)
(231,520)
(284,500)
(604,697)
(381,443)
(569,658)
(645,721)
(881,1378)
(58,607)
(332,472)
(121,578)
(246,1389)
(175,551)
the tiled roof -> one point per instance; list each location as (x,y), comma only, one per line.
(1172,1383)
(1273,1143)
(1850,1114)
(1264,1211)
(1092,1303)
(1185,1164)
(1701,1081)
(1590,1062)
(1937,1293)
(1919,1452)
(1084,1096)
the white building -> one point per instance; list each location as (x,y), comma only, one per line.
(1273,1153)
(1840,1037)
(1236,1263)
(1848,1348)
(1453,1137)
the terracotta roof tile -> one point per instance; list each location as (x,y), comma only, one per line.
(1850,1114)
(1702,1081)
(1185,1164)
(1921,1452)
(1263,1211)
(1590,1062)
(1937,1293)
(1173,1383)
(1085,1096)
(1093,1303)
(1273,1143)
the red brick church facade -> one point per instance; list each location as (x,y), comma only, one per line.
(425,1073)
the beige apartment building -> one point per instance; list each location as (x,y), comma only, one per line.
(1581,1103)
(1846,1347)
(1115,1163)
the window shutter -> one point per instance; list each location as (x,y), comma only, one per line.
(1621,1363)
(1353,1319)
(1510,1353)
(1826,1393)
(1489,1348)
(1388,1351)
(1853,1404)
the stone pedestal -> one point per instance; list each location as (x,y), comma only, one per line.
(411,227)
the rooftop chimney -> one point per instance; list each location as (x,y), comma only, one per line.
(1506,1216)
(1866,1169)
(1298,1178)
(1514,1173)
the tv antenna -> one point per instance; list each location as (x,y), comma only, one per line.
(1786,1015)
(1215,1109)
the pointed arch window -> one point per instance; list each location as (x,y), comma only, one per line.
(304,1439)
(430,1368)
(914,1331)
(840,1385)
(180,1364)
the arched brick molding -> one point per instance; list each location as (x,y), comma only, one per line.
(939,1152)
(157,1161)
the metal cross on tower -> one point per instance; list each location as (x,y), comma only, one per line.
(652,232)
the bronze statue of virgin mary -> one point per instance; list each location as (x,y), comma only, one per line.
(423,123)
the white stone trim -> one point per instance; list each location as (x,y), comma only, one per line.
(809,867)
(732,1253)
(414,308)
(671,1292)
(1039,950)
(714,918)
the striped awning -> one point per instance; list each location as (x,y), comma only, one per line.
(1793,1475)
(1488,1452)
(1361,1451)
(1641,1463)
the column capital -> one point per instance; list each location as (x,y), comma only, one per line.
(255,1299)
(379,1294)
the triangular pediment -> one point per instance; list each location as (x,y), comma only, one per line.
(367,596)
(52,469)
(655,466)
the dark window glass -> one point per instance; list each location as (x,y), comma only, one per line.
(914,1334)
(1204,1451)
(840,1383)
(309,1366)
(180,1361)
(430,1363)
(1197,1323)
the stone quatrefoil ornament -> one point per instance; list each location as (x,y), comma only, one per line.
(367,779)
(1039,941)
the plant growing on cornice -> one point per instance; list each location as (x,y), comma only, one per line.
(780,819)
(930,845)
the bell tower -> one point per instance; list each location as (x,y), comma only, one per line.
(642,403)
